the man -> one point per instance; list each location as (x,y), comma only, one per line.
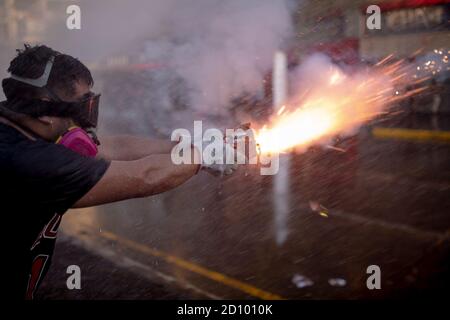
(47,161)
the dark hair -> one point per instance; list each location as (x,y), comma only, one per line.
(30,63)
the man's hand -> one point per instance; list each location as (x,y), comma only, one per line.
(233,152)
(220,169)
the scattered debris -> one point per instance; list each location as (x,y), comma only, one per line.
(337,282)
(336,148)
(317,207)
(324,214)
(301,281)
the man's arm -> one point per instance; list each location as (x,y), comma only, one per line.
(139,178)
(126,147)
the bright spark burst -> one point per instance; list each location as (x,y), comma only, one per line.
(338,104)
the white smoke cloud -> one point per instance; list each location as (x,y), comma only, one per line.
(219,48)
(222,48)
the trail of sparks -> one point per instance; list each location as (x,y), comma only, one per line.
(340,104)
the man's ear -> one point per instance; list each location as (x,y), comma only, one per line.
(46,120)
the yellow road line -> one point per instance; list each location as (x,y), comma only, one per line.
(411,134)
(213,275)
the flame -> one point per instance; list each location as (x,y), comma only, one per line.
(336,104)
(296,128)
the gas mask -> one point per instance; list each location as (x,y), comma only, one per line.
(80,141)
(84,113)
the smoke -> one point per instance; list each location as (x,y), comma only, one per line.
(312,74)
(220,49)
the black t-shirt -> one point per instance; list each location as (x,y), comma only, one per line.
(39,182)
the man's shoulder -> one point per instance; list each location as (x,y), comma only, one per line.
(9,136)
(19,153)
(10,140)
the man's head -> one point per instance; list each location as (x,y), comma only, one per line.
(48,110)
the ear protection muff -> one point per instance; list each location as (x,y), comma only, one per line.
(79,141)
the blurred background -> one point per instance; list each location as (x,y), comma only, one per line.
(380,197)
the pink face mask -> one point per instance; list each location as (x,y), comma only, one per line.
(79,141)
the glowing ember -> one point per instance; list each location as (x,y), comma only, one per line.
(336,103)
(281,110)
